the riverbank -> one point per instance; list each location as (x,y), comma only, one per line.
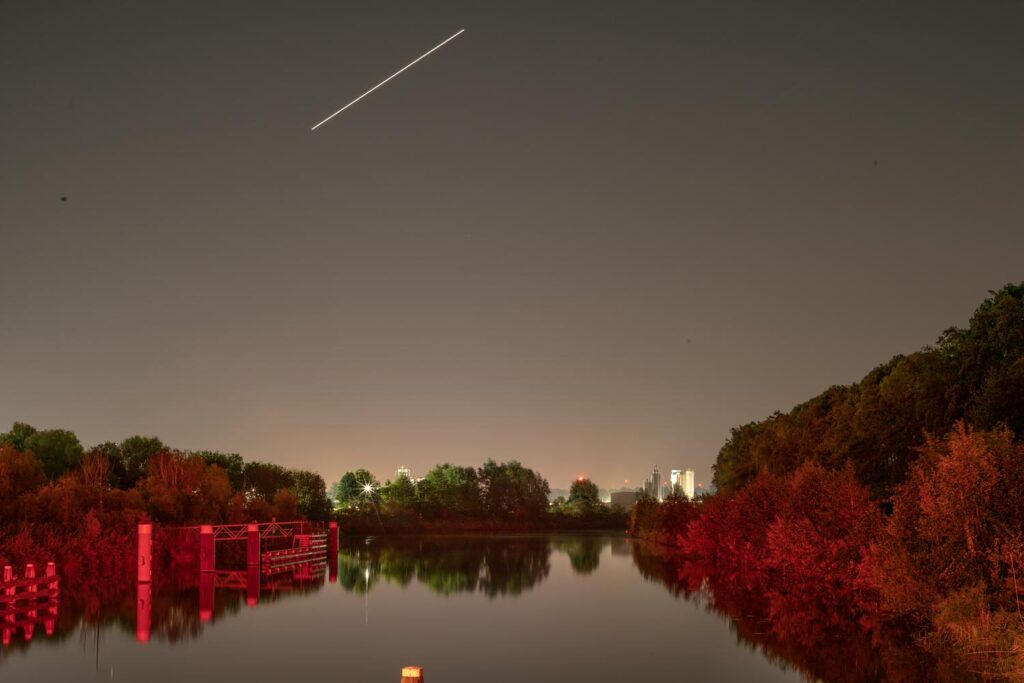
(944,557)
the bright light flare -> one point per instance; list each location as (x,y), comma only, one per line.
(436,47)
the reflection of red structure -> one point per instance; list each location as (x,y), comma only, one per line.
(144,591)
(143,611)
(277,555)
(28,601)
(332,552)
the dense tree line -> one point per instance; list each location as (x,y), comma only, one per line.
(46,475)
(453,497)
(947,561)
(494,490)
(879,423)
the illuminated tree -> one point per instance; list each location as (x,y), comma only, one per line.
(511,490)
(400,493)
(449,488)
(355,489)
(311,493)
(584,496)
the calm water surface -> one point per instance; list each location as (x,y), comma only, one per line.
(469,609)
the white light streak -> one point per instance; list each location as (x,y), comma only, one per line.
(439,45)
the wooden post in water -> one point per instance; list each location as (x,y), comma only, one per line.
(51,571)
(412,674)
(252,546)
(8,577)
(30,573)
(207,557)
(145,553)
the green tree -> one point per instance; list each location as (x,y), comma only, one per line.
(400,493)
(115,462)
(57,449)
(991,354)
(450,488)
(584,497)
(231,463)
(134,456)
(19,433)
(356,488)
(511,490)
(311,493)
(344,490)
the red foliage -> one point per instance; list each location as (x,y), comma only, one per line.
(20,474)
(731,532)
(957,523)
(817,542)
(89,529)
(950,556)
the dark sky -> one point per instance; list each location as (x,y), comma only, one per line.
(591,236)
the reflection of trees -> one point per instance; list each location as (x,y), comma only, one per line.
(821,643)
(447,565)
(584,551)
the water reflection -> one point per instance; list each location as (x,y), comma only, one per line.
(176,612)
(178,607)
(822,642)
(26,618)
(446,565)
(502,566)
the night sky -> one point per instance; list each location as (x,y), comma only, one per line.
(590,236)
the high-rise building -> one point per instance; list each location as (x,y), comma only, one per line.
(653,485)
(676,482)
(688,484)
(403,471)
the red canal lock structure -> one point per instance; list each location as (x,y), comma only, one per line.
(300,549)
(28,601)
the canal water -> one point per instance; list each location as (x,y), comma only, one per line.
(580,607)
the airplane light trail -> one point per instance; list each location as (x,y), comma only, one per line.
(439,45)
